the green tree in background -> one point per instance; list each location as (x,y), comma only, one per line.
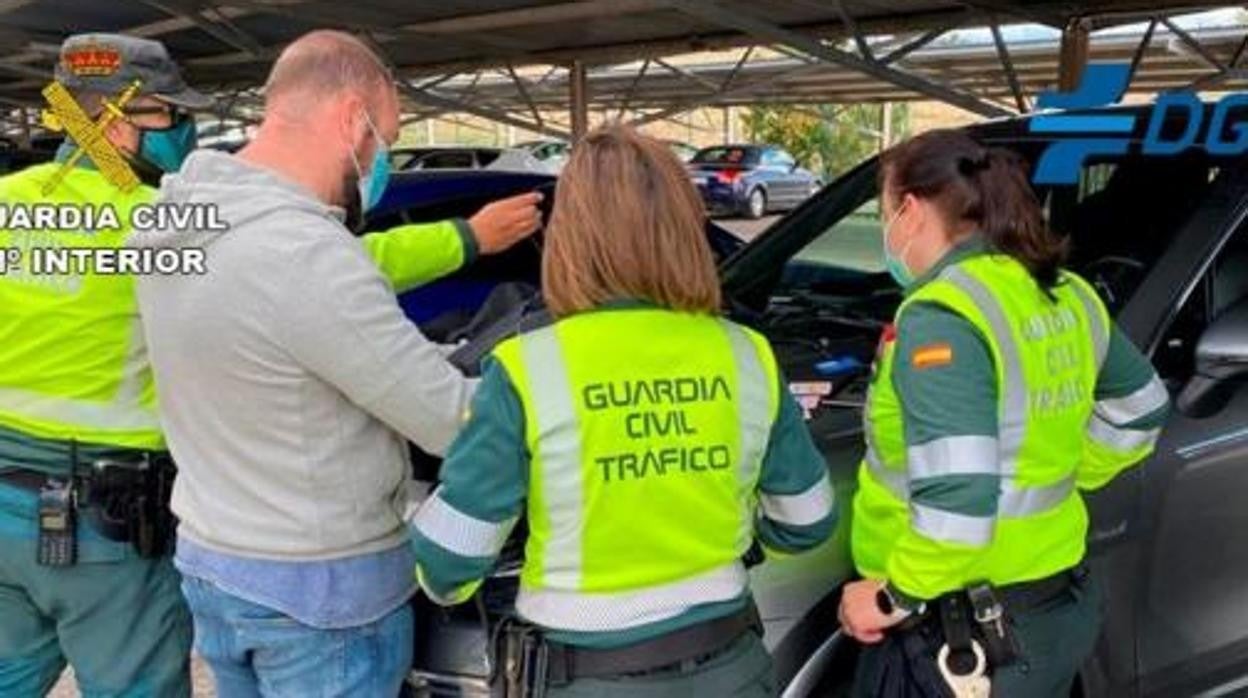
(827,139)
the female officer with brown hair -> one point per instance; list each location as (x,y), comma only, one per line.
(1006,390)
(647,440)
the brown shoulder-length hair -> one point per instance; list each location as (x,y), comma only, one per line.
(627,224)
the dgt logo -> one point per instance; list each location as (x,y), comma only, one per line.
(1103,85)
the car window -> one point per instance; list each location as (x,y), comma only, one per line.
(401,160)
(726,156)
(1119,220)
(454,159)
(1223,286)
(783,159)
(853,243)
(1124,214)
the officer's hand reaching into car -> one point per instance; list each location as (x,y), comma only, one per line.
(503,223)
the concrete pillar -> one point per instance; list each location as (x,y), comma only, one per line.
(429,134)
(1074,53)
(579,100)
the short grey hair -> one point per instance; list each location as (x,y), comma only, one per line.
(325,62)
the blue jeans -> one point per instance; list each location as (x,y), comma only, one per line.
(256,651)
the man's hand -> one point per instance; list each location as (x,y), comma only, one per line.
(503,223)
(860,615)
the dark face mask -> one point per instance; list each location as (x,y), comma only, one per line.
(166,149)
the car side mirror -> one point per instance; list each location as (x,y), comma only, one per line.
(793,167)
(1221,362)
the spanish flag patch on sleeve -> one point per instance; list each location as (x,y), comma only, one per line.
(932,355)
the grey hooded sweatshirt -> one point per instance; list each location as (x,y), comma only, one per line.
(287,376)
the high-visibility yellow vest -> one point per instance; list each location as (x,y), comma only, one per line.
(1043,415)
(646,430)
(73,362)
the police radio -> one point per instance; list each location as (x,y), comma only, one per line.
(58,541)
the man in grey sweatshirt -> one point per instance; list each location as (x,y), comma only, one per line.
(289,381)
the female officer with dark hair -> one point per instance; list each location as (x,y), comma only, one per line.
(1003,391)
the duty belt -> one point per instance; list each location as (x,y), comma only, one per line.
(565,663)
(124,500)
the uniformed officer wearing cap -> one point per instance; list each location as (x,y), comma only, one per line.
(85,571)
(75,391)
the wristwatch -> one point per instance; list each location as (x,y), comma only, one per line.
(889,605)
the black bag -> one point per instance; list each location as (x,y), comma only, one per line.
(905,665)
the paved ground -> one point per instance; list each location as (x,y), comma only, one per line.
(745,228)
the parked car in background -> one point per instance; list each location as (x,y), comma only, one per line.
(549,151)
(683,150)
(466,158)
(750,180)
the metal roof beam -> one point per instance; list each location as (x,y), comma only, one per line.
(1019,10)
(688,75)
(435,100)
(1138,56)
(917,43)
(848,20)
(530,16)
(632,89)
(524,94)
(1008,65)
(451,105)
(1193,44)
(735,17)
(738,88)
(237,39)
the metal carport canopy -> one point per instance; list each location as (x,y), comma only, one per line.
(229,44)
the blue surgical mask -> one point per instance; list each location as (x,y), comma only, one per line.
(896,267)
(372,185)
(167,148)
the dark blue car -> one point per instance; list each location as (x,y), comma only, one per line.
(750,180)
(423,196)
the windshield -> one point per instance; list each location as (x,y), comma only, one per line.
(852,243)
(727,156)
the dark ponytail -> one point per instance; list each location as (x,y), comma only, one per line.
(989,187)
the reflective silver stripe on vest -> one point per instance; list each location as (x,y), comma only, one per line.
(1141,403)
(1120,438)
(89,414)
(753,402)
(954,455)
(458,532)
(753,419)
(125,412)
(1012,422)
(559,450)
(801,509)
(604,611)
(942,525)
(895,481)
(1092,308)
(1017,502)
